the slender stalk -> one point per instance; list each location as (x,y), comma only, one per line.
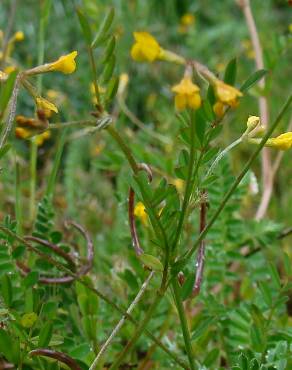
(12,111)
(94,75)
(237,181)
(121,322)
(267,177)
(137,332)
(45,8)
(18,207)
(184,324)
(57,161)
(94,290)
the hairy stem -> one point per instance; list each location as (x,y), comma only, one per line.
(121,322)
(183,322)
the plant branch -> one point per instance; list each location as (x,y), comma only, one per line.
(267,178)
(121,322)
(184,323)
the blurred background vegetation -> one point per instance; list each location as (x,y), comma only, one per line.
(94,178)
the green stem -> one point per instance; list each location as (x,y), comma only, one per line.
(57,160)
(234,186)
(137,332)
(32,177)
(159,230)
(94,75)
(18,208)
(189,184)
(45,10)
(184,324)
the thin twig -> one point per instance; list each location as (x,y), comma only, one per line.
(13,102)
(131,204)
(59,356)
(121,322)
(267,178)
(201,251)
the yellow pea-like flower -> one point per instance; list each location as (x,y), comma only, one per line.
(281,142)
(139,211)
(28,319)
(18,36)
(23,133)
(219,109)
(40,139)
(145,48)
(187,19)
(226,94)
(65,64)
(46,106)
(187,94)
(252,122)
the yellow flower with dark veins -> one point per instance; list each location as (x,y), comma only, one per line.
(226,94)
(140,212)
(65,64)
(281,142)
(145,48)
(46,106)
(187,94)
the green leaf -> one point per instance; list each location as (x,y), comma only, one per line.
(266,292)
(6,91)
(45,334)
(151,262)
(31,279)
(243,362)
(6,289)
(253,79)
(9,347)
(108,70)
(110,47)
(106,24)
(211,357)
(200,127)
(112,89)
(84,26)
(230,72)
(274,275)
(202,327)
(4,150)
(187,287)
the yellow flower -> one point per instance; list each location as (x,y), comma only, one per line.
(187,95)
(282,142)
(9,69)
(179,184)
(46,106)
(139,212)
(226,94)
(219,109)
(65,64)
(146,48)
(22,133)
(18,36)
(28,319)
(40,139)
(252,122)
(187,19)
(290,27)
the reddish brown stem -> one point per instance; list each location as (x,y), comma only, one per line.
(131,207)
(200,261)
(83,270)
(59,356)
